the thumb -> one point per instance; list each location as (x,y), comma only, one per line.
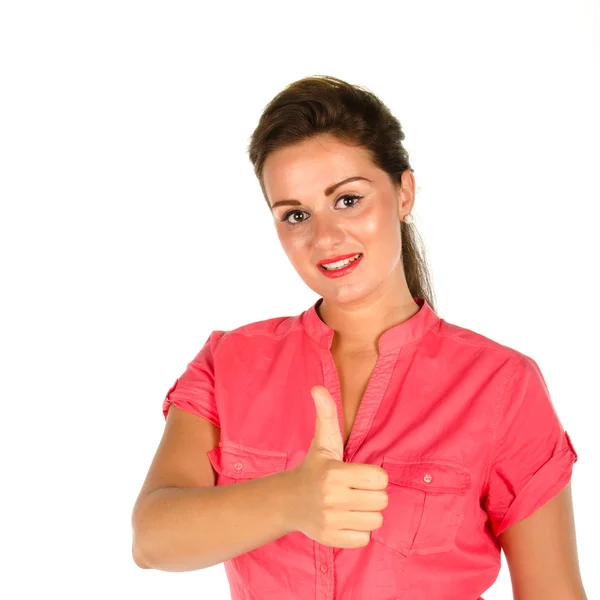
(327,436)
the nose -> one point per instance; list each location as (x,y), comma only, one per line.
(327,232)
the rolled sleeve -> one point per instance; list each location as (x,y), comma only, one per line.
(194,390)
(533,455)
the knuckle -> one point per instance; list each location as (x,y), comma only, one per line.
(327,519)
(385,499)
(328,499)
(385,479)
(328,495)
(332,472)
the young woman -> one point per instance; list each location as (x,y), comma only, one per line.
(377,450)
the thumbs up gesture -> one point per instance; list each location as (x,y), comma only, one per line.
(336,503)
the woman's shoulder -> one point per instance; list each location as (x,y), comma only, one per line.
(464,337)
(273,328)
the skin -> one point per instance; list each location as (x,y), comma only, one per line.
(540,550)
(362,305)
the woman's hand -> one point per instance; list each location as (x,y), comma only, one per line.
(336,503)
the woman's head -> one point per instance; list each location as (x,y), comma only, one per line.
(320,131)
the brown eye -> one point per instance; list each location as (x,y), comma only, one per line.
(288,214)
(353,197)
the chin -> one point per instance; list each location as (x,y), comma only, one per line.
(344,294)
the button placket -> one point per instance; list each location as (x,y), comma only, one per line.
(324,566)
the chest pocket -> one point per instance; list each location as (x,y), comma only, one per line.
(236,462)
(426,502)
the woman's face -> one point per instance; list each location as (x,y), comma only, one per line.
(360,216)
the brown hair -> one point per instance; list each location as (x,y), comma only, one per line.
(326,105)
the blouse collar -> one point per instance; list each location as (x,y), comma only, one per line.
(390,340)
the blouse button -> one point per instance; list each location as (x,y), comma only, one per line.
(427,478)
(324,567)
(238,466)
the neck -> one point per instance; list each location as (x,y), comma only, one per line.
(358,326)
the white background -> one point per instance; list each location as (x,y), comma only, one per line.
(132,226)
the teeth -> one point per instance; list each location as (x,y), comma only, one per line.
(341,263)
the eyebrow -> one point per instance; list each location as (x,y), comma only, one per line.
(328,192)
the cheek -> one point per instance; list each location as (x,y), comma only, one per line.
(379,233)
(294,244)
(374,227)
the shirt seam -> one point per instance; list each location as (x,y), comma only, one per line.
(215,345)
(511,374)
(478,344)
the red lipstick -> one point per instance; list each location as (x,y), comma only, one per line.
(332,274)
(326,261)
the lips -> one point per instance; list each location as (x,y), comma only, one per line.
(336,258)
(343,271)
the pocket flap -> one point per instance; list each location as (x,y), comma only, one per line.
(239,461)
(433,475)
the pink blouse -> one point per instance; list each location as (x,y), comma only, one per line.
(464,427)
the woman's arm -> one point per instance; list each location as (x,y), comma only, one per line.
(541,553)
(181,522)
(187,529)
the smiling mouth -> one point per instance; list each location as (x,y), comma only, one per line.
(341,264)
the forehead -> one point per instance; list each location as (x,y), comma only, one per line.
(305,169)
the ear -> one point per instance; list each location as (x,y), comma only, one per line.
(405,193)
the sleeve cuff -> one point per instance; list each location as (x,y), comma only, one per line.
(544,485)
(189,406)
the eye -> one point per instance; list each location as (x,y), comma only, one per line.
(285,218)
